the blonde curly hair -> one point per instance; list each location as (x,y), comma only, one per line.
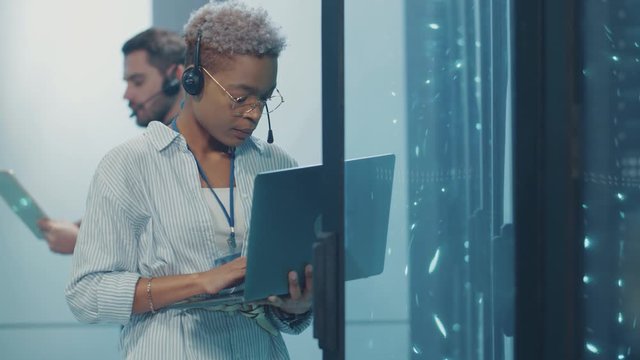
(231,28)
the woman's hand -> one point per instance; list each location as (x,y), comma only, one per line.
(224,276)
(166,290)
(298,302)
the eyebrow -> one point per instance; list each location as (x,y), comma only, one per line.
(133,77)
(250,89)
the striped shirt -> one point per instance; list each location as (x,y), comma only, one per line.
(147,217)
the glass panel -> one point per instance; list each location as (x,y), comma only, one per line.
(611,206)
(428,81)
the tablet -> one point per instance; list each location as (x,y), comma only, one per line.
(20,202)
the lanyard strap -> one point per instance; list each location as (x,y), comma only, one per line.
(231,241)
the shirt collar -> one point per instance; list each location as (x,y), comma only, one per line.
(162,136)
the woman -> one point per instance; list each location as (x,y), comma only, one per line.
(167,212)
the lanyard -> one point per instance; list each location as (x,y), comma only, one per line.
(231,241)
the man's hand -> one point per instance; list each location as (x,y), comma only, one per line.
(61,235)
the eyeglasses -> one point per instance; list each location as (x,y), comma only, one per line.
(246,104)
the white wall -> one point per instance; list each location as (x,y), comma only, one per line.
(297,126)
(61,109)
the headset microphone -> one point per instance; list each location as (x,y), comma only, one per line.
(270,133)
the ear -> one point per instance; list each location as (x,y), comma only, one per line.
(174,71)
(179,71)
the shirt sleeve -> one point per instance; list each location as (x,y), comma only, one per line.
(288,323)
(104,271)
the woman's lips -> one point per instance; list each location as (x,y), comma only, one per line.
(242,133)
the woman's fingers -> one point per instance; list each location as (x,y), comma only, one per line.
(294,286)
(308,279)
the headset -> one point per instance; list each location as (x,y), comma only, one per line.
(170,87)
(192,78)
(193,81)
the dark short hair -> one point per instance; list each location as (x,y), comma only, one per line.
(165,48)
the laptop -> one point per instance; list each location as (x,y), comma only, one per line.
(287,215)
(20,202)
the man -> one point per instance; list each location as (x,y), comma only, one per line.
(153,65)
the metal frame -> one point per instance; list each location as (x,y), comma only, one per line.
(548,252)
(329,309)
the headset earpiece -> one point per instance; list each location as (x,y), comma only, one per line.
(171,86)
(192,81)
(192,78)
